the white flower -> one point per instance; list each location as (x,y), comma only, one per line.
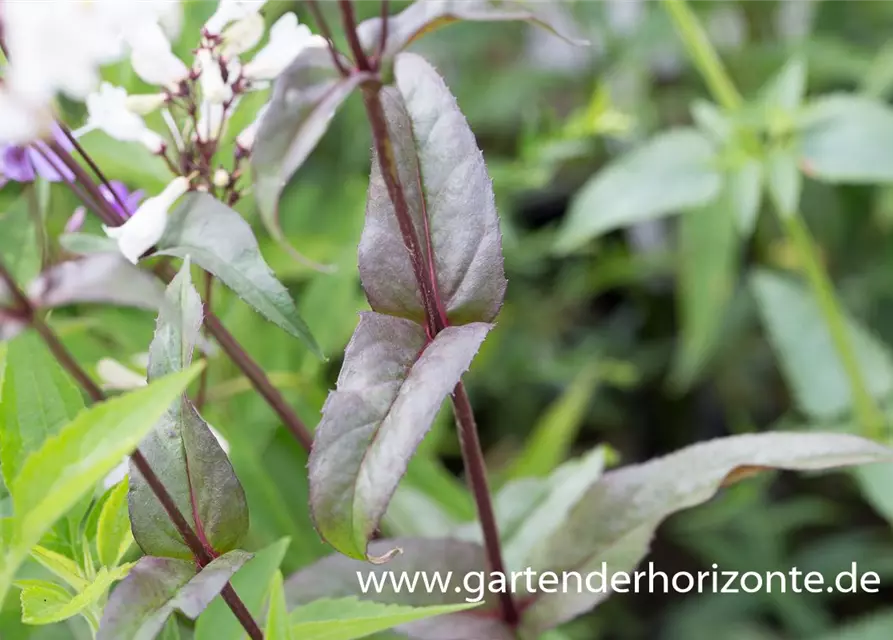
(145,228)
(108,111)
(22,122)
(115,375)
(287,40)
(214,89)
(211,118)
(152,58)
(243,35)
(230,11)
(245,139)
(143,103)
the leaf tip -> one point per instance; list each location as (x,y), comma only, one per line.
(385,558)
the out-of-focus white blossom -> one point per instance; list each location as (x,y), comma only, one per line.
(221,178)
(145,228)
(22,122)
(116,376)
(152,58)
(230,11)
(243,35)
(245,139)
(287,40)
(143,103)
(214,89)
(108,110)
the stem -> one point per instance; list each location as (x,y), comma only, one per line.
(473,458)
(96,170)
(350,30)
(705,58)
(866,410)
(202,392)
(323,27)
(383,39)
(67,361)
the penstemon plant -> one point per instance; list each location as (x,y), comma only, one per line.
(431,266)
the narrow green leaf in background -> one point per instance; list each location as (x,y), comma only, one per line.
(277,626)
(60,566)
(19,249)
(745,187)
(113,536)
(218,240)
(391,386)
(156,587)
(847,139)
(672,172)
(784,181)
(45,604)
(805,351)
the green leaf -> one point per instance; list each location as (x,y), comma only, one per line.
(217,239)
(46,603)
(673,171)
(875,626)
(251,583)
(72,462)
(349,618)
(391,386)
(803,345)
(61,566)
(130,162)
(18,243)
(38,400)
(711,120)
(616,519)
(422,17)
(555,432)
(182,449)
(848,139)
(277,627)
(305,98)
(113,537)
(100,279)
(708,261)
(784,92)
(783,181)
(84,244)
(156,587)
(745,188)
(451,204)
(875,481)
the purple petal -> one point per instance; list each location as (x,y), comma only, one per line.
(118,194)
(15,164)
(76,221)
(46,169)
(62,139)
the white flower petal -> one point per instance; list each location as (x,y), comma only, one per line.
(229,11)
(214,89)
(243,35)
(116,475)
(115,375)
(287,40)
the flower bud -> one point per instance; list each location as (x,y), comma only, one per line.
(145,228)
(229,11)
(245,140)
(210,121)
(243,35)
(214,89)
(145,103)
(221,178)
(152,58)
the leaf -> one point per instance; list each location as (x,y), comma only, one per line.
(783,181)
(183,450)
(847,139)
(616,519)
(338,576)
(60,566)
(673,171)
(425,16)
(785,91)
(100,278)
(708,261)
(349,618)
(391,386)
(84,244)
(156,587)
(745,186)
(874,626)
(251,583)
(38,400)
(217,239)
(557,429)
(129,162)
(277,626)
(450,198)
(711,120)
(305,98)
(798,334)
(113,537)
(72,462)
(46,603)
(18,242)
(875,481)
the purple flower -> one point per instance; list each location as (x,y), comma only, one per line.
(22,164)
(119,194)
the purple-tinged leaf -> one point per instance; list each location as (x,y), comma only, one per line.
(613,523)
(425,16)
(391,386)
(450,197)
(182,449)
(305,98)
(103,278)
(156,587)
(337,577)
(218,240)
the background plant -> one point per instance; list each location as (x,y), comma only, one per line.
(594,332)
